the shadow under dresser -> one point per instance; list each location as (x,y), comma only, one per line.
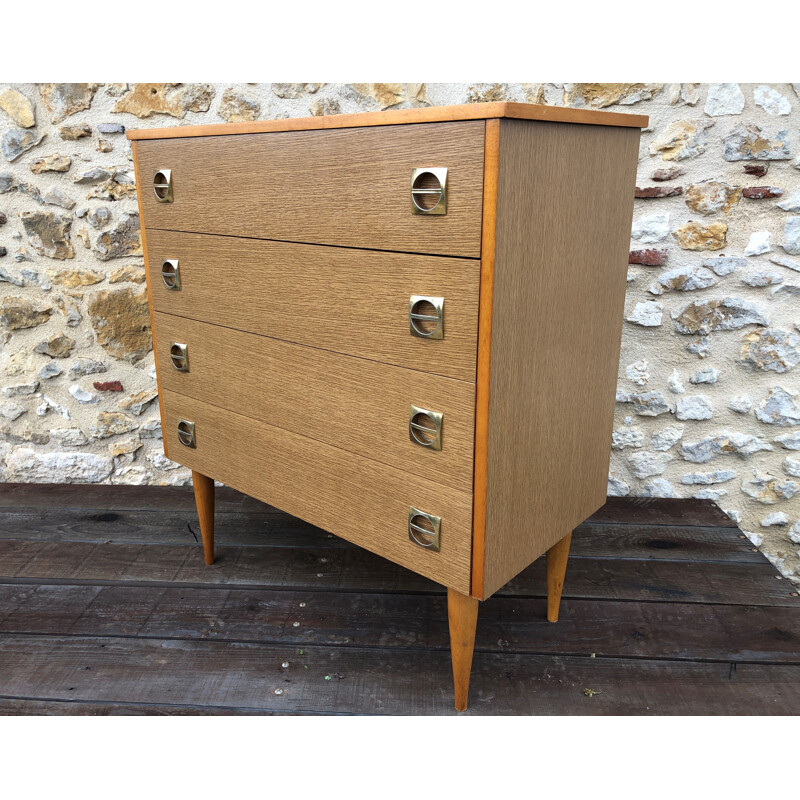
(402,327)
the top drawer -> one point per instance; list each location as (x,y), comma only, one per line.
(350,186)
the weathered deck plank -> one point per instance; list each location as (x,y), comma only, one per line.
(106,608)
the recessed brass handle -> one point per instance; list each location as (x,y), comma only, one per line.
(426,316)
(424,529)
(429,191)
(186,433)
(171,273)
(179,355)
(162,185)
(425,427)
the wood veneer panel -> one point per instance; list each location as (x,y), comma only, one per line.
(565,201)
(349,301)
(357,405)
(358,499)
(347,187)
(402,117)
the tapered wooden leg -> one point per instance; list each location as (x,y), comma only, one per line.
(462,612)
(204,498)
(557,557)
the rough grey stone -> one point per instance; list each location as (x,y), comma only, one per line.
(647,314)
(645,463)
(20,389)
(789,441)
(718,315)
(746,143)
(674,383)
(701,348)
(667,438)
(741,444)
(7,277)
(770,350)
(724,99)
(782,261)
(767,489)
(693,407)
(69,437)
(779,408)
(111,423)
(758,244)
(18,141)
(651,228)
(710,494)
(50,370)
(791,466)
(762,277)
(707,375)
(92,175)
(707,478)
(11,410)
(638,372)
(791,203)
(772,101)
(791,233)
(82,396)
(776,518)
(26,465)
(110,127)
(86,366)
(658,487)
(622,438)
(645,404)
(740,404)
(724,265)
(150,429)
(684,279)
(617,487)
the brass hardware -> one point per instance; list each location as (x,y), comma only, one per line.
(425,427)
(429,191)
(186,433)
(424,529)
(171,274)
(179,355)
(162,185)
(426,316)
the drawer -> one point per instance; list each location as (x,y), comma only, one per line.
(359,500)
(348,301)
(349,187)
(357,405)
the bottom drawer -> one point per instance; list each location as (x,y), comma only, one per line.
(355,498)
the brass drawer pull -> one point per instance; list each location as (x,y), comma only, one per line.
(429,191)
(426,316)
(171,273)
(179,355)
(424,529)
(425,427)
(162,185)
(186,433)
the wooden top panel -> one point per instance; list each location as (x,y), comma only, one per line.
(402,117)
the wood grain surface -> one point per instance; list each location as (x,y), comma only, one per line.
(361,500)
(355,404)
(349,187)
(349,301)
(564,207)
(402,117)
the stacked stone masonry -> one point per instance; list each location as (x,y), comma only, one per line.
(708,401)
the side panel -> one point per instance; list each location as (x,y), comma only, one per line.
(564,208)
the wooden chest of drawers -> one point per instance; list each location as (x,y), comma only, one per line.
(401,327)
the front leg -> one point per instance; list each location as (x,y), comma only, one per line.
(204,498)
(462,613)
(557,557)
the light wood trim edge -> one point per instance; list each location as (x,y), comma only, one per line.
(490,166)
(402,116)
(139,190)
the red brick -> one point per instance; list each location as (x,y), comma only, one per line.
(761,192)
(658,191)
(667,174)
(759,170)
(648,258)
(108,386)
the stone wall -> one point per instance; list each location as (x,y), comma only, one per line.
(707,395)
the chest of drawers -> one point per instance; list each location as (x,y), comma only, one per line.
(401,327)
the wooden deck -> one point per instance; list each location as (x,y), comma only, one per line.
(106,608)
